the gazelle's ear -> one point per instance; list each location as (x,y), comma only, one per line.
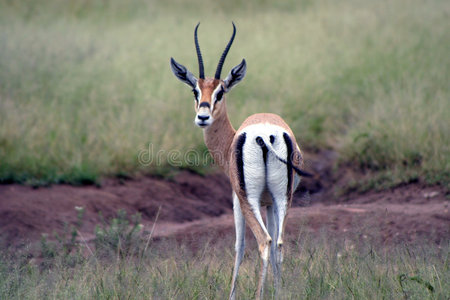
(235,76)
(182,73)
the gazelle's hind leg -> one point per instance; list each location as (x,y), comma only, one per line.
(239,223)
(279,186)
(280,204)
(272,226)
(280,214)
(254,219)
(264,242)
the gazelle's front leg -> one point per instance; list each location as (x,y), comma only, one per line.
(239,223)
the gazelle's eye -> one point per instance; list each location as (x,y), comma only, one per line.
(195,94)
(219,95)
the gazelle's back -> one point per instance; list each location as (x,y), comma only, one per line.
(266,118)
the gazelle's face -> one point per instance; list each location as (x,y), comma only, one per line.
(208,94)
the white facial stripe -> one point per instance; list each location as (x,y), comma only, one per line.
(213,96)
(199,91)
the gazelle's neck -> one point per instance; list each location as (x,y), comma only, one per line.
(218,138)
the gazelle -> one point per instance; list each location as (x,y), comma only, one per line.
(262,160)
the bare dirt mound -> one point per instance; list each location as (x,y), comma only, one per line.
(399,216)
(26,213)
(190,205)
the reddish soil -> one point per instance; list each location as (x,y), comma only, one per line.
(190,205)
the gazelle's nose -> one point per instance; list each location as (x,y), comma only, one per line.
(203,118)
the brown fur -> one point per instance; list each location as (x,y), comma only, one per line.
(207,86)
(219,136)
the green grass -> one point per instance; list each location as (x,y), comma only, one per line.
(169,270)
(122,261)
(85,86)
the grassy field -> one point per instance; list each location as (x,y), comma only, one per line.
(85,86)
(312,270)
(122,261)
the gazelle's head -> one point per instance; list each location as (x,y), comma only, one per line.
(209,92)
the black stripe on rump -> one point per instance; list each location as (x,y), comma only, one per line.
(264,149)
(288,142)
(240,160)
(272,139)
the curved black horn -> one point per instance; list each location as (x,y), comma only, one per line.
(224,54)
(199,55)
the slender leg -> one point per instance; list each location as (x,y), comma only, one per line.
(280,210)
(253,217)
(263,271)
(272,227)
(239,223)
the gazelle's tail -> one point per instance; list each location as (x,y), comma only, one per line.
(269,148)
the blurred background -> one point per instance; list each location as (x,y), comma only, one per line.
(86,85)
(86,90)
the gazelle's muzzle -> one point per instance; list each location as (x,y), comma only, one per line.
(203,118)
